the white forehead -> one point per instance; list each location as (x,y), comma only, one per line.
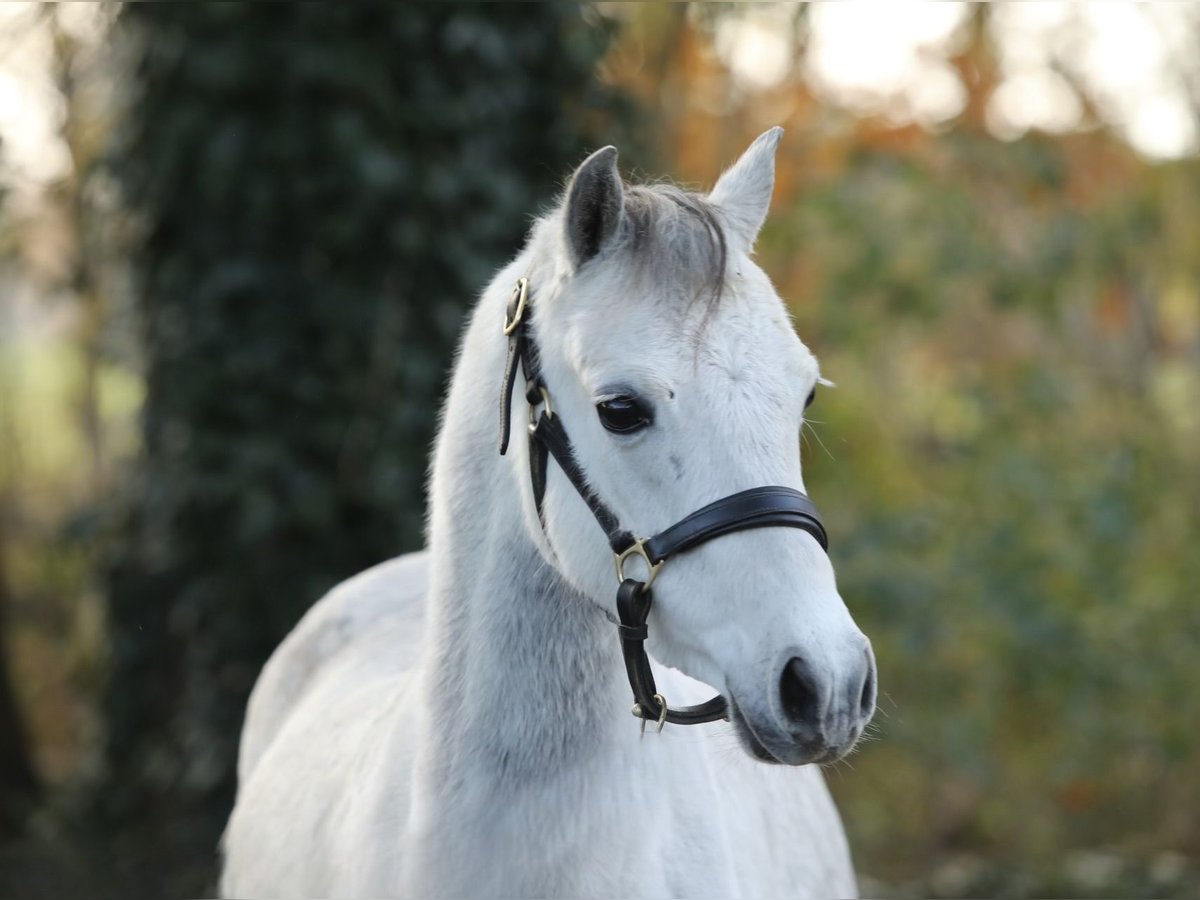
(670,304)
(634,325)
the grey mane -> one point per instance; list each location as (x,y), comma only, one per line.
(678,235)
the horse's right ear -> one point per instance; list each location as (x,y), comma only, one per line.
(744,192)
(595,205)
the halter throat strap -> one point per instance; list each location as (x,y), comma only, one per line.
(760,507)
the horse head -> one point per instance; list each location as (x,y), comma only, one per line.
(672,362)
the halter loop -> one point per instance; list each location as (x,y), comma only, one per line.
(760,507)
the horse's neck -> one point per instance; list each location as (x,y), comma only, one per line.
(528,776)
(523,674)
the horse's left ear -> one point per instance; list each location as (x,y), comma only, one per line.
(743,193)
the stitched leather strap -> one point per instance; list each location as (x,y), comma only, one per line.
(760,507)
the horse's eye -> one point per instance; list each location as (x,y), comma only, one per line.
(623,415)
(812,395)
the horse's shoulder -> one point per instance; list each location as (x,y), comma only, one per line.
(391,593)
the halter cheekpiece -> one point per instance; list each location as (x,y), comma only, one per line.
(760,507)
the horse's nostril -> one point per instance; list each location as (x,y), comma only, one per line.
(797,690)
(866,702)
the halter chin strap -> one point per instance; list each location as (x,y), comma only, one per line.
(760,507)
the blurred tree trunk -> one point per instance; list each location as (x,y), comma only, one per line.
(324,188)
(18,783)
(72,77)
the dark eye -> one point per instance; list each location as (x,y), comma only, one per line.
(812,395)
(623,415)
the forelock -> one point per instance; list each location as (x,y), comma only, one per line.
(677,236)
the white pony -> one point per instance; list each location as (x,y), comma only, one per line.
(456,722)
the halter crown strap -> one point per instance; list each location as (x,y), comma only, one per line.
(520,352)
(547,434)
(760,507)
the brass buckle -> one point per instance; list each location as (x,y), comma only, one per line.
(520,291)
(662,714)
(639,547)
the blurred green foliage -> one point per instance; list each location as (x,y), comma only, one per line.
(321,190)
(1009,467)
(1008,463)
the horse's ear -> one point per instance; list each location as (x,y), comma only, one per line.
(743,193)
(595,205)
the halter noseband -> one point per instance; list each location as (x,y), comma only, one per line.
(760,507)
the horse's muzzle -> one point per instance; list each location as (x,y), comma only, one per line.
(817,716)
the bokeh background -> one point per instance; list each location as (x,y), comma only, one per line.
(236,245)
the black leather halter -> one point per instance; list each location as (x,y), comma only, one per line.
(760,507)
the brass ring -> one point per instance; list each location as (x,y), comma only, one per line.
(533,408)
(639,548)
